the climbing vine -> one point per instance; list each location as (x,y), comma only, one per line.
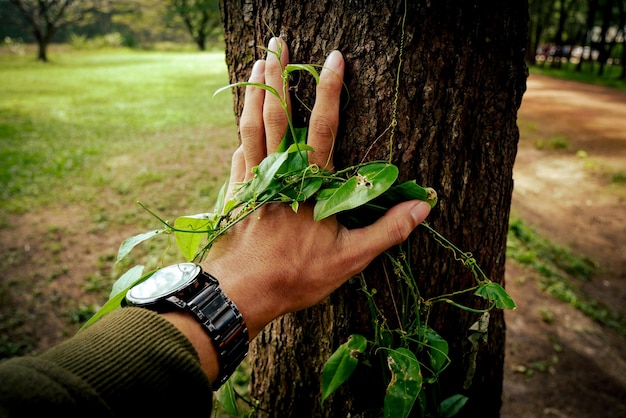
(413,353)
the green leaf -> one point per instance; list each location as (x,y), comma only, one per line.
(373,210)
(410,190)
(326,192)
(290,139)
(341,364)
(226,397)
(405,384)
(270,89)
(298,159)
(494,292)
(289,68)
(263,178)
(188,240)
(438,350)
(304,189)
(221,199)
(125,280)
(451,406)
(371,181)
(132,242)
(109,306)
(269,174)
(230,205)
(115,301)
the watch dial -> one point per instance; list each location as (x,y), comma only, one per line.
(163,282)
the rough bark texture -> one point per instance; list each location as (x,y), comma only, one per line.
(461,81)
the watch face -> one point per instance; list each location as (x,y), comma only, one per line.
(164,282)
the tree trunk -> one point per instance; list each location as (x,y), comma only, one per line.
(43,40)
(201,42)
(592,7)
(42,48)
(461,79)
(604,46)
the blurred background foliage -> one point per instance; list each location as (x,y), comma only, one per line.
(585,36)
(581,35)
(96,23)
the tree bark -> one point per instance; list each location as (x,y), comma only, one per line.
(461,73)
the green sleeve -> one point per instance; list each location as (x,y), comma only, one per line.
(132,362)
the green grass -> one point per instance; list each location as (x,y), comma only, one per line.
(587,75)
(555,143)
(560,272)
(66,117)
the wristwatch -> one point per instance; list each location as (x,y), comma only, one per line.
(186,287)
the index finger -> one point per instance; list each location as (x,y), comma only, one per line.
(325,114)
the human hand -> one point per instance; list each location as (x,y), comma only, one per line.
(279,261)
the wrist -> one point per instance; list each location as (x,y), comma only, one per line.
(252,301)
(216,327)
(200,340)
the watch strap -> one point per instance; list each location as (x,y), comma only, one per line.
(225,325)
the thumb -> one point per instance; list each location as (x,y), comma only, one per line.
(391,229)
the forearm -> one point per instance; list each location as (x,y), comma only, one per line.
(124,361)
(191,328)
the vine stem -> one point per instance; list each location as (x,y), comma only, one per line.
(391,128)
(465,257)
(394,112)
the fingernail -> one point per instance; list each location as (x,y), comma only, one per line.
(334,59)
(257,69)
(273,44)
(420,211)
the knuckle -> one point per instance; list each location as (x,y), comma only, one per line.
(248,131)
(275,119)
(238,154)
(322,127)
(397,231)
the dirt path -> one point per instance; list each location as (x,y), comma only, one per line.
(569,366)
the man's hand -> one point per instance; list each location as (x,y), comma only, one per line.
(277,261)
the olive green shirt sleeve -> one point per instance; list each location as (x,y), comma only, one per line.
(132,362)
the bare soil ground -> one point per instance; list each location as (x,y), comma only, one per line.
(568,366)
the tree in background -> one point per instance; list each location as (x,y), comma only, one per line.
(611,25)
(201,18)
(435,89)
(45,18)
(593,29)
(566,11)
(541,12)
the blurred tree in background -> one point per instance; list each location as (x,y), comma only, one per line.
(136,23)
(588,34)
(45,18)
(201,18)
(578,31)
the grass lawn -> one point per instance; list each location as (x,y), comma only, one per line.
(106,119)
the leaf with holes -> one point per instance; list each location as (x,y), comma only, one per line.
(494,292)
(341,364)
(405,384)
(371,181)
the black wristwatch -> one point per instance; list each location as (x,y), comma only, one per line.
(186,286)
